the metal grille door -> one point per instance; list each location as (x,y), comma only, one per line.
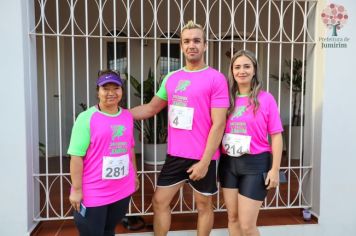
(76,38)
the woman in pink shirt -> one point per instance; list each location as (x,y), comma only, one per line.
(249,165)
(103,165)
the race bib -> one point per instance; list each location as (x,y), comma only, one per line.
(236,144)
(115,167)
(181,117)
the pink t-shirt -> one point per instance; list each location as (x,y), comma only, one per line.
(200,90)
(94,135)
(266,121)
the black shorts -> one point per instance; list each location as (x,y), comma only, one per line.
(174,171)
(245,173)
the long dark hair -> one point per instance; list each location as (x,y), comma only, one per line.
(256,82)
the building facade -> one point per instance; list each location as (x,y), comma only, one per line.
(57,56)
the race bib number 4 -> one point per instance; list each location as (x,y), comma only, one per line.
(181,117)
(236,144)
(115,167)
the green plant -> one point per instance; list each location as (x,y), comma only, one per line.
(42,149)
(298,85)
(148,124)
(83,106)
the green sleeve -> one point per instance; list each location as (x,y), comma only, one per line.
(80,138)
(162,92)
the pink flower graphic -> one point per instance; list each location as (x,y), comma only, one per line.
(334,16)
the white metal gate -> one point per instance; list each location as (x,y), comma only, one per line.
(76,38)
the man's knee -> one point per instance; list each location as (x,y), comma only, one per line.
(159,202)
(247,228)
(233,218)
(204,203)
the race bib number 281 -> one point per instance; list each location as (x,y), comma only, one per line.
(115,167)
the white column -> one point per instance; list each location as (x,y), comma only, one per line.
(18,120)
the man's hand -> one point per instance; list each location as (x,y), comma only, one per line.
(198,170)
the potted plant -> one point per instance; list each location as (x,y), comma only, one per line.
(148,127)
(298,86)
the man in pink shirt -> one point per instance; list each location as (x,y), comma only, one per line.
(197,99)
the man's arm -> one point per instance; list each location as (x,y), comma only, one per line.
(218,116)
(148,110)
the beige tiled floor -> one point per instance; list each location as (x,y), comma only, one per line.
(179,222)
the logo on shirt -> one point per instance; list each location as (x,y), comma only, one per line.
(182,85)
(238,128)
(239,111)
(117,131)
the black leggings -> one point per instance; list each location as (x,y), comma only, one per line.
(101,221)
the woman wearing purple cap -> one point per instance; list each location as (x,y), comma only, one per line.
(103,165)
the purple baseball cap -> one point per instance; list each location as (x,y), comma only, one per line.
(109,78)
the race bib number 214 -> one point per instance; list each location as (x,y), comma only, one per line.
(235,144)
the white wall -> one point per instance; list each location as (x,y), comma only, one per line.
(18,140)
(338,159)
